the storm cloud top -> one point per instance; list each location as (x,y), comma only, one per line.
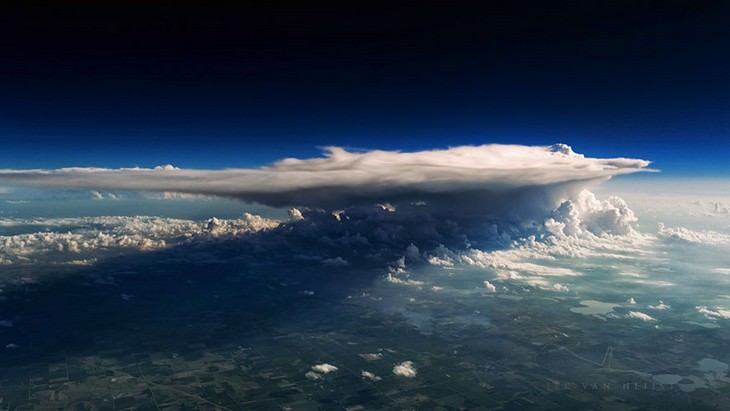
(342,178)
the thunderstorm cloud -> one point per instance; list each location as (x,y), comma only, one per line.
(342,178)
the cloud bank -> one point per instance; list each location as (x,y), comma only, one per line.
(684,235)
(498,181)
(79,241)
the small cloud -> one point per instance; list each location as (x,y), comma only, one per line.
(97,195)
(660,306)
(637,315)
(295,214)
(311,375)
(81,263)
(371,356)
(714,313)
(335,262)
(490,287)
(405,369)
(387,207)
(393,279)
(367,375)
(166,167)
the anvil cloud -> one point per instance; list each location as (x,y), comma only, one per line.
(490,180)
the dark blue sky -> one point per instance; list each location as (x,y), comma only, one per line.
(220,86)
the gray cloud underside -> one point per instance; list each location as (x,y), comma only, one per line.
(475,174)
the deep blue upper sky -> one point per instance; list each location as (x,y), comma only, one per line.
(217,87)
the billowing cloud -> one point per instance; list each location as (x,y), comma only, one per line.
(580,228)
(490,180)
(586,214)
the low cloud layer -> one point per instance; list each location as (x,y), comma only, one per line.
(499,181)
(80,241)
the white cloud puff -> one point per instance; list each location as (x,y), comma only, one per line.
(324,368)
(405,369)
(587,214)
(638,315)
